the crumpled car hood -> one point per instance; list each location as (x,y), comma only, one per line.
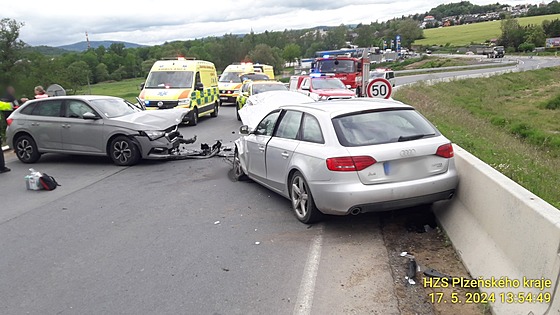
(152,119)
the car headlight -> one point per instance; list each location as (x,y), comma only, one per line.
(153,134)
(184,101)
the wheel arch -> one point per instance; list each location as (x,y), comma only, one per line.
(18,134)
(112,137)
(291,173)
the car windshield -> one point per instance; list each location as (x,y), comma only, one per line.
(336,66)
(377,127)
(169,80)
(254,77)
(259,88)
(231,77)
(114,107)
(323,84)
(376,74)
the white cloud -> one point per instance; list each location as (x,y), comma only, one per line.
(154,22)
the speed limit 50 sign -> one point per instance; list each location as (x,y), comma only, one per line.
(379,88)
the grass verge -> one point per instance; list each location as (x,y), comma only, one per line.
(462,35)
(502,120)
(128,89)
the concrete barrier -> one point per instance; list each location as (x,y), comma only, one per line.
(500,229)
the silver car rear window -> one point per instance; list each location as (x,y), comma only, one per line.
(378,127)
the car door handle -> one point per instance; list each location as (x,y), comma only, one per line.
(261,148)
(65,126)
(34,124)
(285,154)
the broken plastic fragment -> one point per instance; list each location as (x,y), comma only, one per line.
(217,222)
(410,281)
(257,243)
(411,270)
(435,274)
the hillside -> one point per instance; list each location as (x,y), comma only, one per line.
(461,35)
(46,50)
(82,46)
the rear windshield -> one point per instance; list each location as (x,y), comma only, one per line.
(377,127)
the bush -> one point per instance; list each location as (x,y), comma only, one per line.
(498,121)
(521,129)
(553,103)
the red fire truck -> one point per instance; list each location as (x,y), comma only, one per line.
(351,66)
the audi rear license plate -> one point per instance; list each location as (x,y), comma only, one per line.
(386,168)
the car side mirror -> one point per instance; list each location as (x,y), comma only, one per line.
(90,116)
(142,85)
(348,86)
(244,130)
(199,86)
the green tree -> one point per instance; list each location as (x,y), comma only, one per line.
(267,55)
(336,37)
(291,52)
(535,35)
(10,48)
(366,36)
(101,73)
(409,30)
(526,47)
(512,33)
(78,74)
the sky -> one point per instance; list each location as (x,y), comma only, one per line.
(149,22)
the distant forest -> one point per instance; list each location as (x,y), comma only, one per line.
(24,66)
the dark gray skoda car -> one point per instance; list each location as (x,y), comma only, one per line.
(92,125)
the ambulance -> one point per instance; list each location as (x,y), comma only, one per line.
(230,81)
(182,83)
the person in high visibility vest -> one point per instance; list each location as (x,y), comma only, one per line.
(9,102)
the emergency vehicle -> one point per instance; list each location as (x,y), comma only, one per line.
(384,73)
(182,83)
(251,87)
(230,81)
(351,66)
(320,87)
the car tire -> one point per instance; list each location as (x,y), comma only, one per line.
(123,151)
(238,173)
(215,112)
(193,121)
(26,149)
(303,204)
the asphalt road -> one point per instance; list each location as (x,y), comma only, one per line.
(146,240)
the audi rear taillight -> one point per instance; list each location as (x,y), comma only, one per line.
(9,121)
(350,163)
(445,151)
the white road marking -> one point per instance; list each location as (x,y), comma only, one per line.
(307,287)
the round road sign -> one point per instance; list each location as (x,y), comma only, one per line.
(379,88)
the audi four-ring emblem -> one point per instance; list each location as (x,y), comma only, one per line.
(160,104)
(408,152)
